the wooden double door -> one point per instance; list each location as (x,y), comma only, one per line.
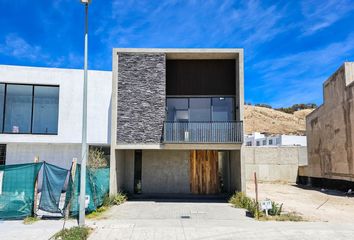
(204,177)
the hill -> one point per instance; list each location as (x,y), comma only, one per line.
(261,119)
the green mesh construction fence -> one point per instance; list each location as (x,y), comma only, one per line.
(17,183)
(53,183)
(17,190)
(97,186)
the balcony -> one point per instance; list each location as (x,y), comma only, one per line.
(203,132)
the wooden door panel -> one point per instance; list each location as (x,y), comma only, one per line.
(204,172)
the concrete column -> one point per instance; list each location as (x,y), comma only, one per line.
(128,184)
(237,168)
(112,173)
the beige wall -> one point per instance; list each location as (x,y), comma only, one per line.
(330,129)
(274,163)
(165,171)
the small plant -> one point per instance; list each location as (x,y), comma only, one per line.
(240,200)
(30,220)
(96,158)
(98,213)
(293,217)
(276,209)
(74,233)
(117,199)
(253,209)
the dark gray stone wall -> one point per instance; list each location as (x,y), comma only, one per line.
(141,97)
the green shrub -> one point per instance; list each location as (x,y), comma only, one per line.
(74,233)
(117,199)
(253,209)
(240,200)
(98,213)
(276,209)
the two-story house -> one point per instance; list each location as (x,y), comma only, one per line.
(177,121)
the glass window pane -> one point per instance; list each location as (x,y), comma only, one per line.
(200,109)
(2,97)
(177,109)
(18,108)
(223,109)
(45,110)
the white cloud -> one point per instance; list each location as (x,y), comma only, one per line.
(298,77)
(322,14)
(17,47)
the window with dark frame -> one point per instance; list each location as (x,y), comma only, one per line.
(137,171)
(2,154)
(200,109)
(29,109)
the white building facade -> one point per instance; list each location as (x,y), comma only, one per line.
(41,113)
(261,139)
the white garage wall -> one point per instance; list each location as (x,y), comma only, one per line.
(60,155)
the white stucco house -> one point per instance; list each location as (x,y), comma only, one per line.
(262,139)
(41,113)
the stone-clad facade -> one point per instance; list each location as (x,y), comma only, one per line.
(141,97)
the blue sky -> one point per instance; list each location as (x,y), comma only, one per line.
(291,47)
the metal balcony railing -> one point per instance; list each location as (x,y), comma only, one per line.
(203,132)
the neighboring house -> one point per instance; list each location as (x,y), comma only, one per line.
(41,113)
(261,139)
(330,134)
(177,121)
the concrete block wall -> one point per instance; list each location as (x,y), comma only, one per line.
(274,163)
(165,171)
(141,97)
(330,129)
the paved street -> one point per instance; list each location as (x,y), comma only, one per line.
(163,220)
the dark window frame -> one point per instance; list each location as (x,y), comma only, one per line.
(2,154)
(2,130)
(188,97)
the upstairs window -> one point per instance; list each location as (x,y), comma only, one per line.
(2,101)
(31,109)
(18,108)
(45,110)
(200,109)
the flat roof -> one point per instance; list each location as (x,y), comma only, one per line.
(188,53)
(50,69)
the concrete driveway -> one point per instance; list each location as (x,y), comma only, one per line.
(168,220)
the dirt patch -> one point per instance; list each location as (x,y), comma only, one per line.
(312,204)
(261,119)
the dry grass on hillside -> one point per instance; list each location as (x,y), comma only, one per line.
(260,119)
